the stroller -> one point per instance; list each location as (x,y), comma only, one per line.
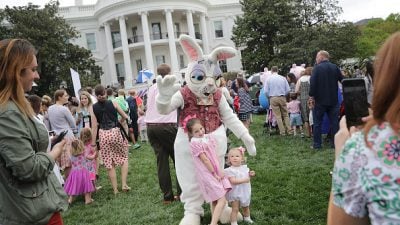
(270,125)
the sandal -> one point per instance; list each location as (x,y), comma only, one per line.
(89,202)
(126,188)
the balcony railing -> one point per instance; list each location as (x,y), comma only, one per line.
(135,39)
(154,36)
(177,34)
(198,36)
(158,36)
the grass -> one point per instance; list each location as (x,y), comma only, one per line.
(291,186)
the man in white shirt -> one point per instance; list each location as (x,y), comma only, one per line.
(276,89)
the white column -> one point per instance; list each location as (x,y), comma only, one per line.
(204,33)
(147,44)
(125,52)
(171,41)
(110,54)
(189,19)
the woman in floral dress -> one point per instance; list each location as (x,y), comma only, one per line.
(366,177)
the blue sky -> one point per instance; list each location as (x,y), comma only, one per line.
(353,10)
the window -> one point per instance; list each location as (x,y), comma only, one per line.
(116,39)
(156,29)
(223,66)
(120,70)
(177,30)
(134,31)
(160,59)
(218,29)
(134,38)
(181,62)
(139,65)
(91,41)
(197,33)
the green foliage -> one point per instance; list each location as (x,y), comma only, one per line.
(291,187)
(285,32)
(50,34)
(375,33)
(336,38)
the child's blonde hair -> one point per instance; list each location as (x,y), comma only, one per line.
(77,147)
(86,135)
(240,150)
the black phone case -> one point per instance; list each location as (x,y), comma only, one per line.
(58,138)
(355,101)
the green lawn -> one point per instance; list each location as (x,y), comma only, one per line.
(291,186)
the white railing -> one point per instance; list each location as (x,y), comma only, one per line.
(77,11)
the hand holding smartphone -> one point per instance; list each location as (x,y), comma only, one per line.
(58,138)
(355,101)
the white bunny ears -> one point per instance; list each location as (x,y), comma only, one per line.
(194,52)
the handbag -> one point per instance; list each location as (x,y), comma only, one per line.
(236,103)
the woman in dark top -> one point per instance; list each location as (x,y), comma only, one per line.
(112,140)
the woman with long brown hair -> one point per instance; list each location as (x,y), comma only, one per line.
(245,102)
(29,191)
(366,177)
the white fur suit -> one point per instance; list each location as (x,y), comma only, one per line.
(202,79)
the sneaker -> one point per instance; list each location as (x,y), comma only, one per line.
(248,220)
(316,148)
(136,146)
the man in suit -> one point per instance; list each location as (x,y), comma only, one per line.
(324,91)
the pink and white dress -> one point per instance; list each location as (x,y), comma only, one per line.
(211,188)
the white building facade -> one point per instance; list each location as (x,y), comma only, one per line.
(126,36)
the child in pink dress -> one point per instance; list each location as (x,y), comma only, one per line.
(142,126)
(78,181)
(239,175)
(213,184)
(295,114)
(90,154)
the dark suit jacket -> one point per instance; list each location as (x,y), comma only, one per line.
(324,83)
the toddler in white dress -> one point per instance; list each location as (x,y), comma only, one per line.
(239,176)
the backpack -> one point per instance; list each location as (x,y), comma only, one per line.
(133,109)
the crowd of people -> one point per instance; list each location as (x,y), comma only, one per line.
(100,125)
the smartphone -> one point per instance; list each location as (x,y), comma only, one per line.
(355,101)
(58,138)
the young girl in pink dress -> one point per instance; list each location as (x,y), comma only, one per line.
(239,176)
(213,184)
(78,181)
(90,154)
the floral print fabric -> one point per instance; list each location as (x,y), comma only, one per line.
(366,180)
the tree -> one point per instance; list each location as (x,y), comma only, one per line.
(375,33)
(50,34)
(283,32)
(261,29)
